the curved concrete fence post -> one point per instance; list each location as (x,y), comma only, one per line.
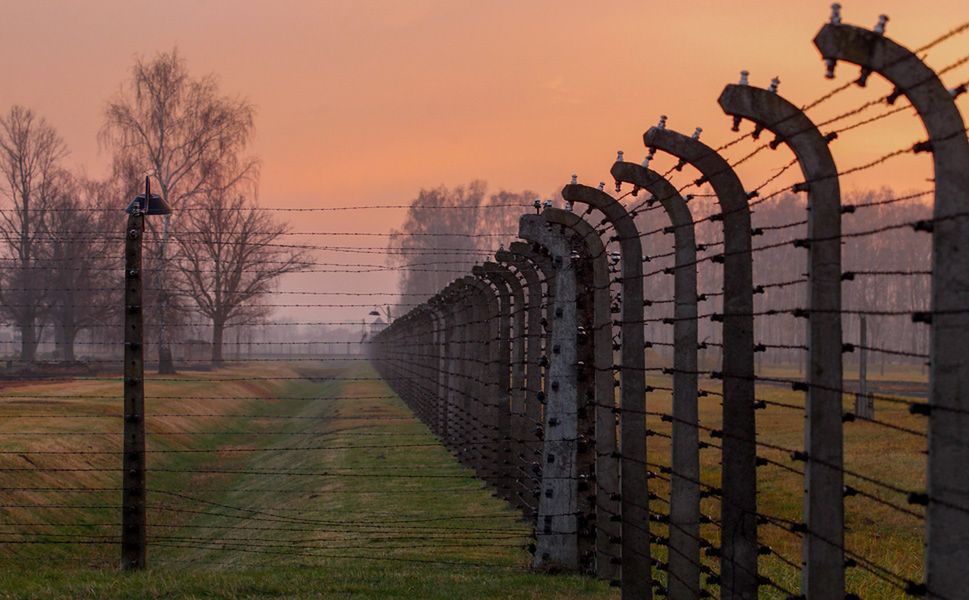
(540,258)
(823,554)
(501,376)
(446,319)
(437,369)
(522,428)
(535,410)
(517,426)
(452,298)
(417,337)
(399,384)
(738,507)
(684,529)
(636,568)
(608,530)
(455,426)
(412,361)
(531,409)
(482,384)
(417,363)
(585,463)
(947,514)
(470,312)
(556,531)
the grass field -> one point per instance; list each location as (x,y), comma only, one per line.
(383,512)
(380,511)
(875,531)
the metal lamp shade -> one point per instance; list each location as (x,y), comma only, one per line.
(156,205)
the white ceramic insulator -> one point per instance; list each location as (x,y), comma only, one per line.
(880,27)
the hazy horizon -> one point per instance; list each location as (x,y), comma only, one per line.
(366,103)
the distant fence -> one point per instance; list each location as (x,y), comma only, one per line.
(514,365)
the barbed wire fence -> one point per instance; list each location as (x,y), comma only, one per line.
(762,318)
(630,378)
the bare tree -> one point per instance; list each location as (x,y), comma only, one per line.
(446,231)
(230,257)
(82,247)
(184,131)
(30,150)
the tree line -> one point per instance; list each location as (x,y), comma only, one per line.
(61,232)
(894,265)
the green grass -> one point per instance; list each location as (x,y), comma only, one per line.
(370,533)
(443,536)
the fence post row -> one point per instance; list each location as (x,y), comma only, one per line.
(526,408)
(480,397)
(501,367)
(517,427)
(500,370)
(539,259)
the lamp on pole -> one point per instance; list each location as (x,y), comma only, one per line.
(133,521)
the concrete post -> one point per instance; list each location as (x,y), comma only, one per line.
(434,337)
(738,578)
(947,520)
(518,424)
(864,405)
(534,394)
(536,410)
(455,422)
(608,530)
(466,348)
(636,569)
(557,540)
(448,299)
(446,320)
(684,529)
(585,397)
(823,573)
(482,383)
(501,368)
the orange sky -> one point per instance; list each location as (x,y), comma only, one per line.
(364,102)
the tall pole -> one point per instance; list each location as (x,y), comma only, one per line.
(823,556)
(947,520)
(684,513)
(636,568)
(862,400)
(738,508)
(133,528)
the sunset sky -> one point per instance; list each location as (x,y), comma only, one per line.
(364,102)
